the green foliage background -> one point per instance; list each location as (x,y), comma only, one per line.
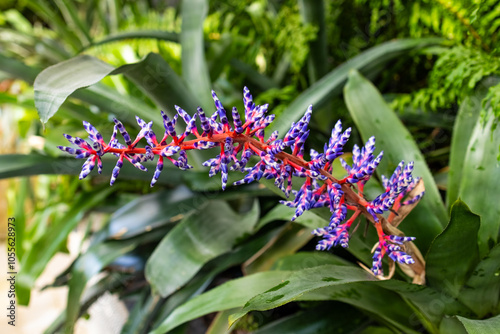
(422,76)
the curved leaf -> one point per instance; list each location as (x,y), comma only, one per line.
(152,211)
(373,117)
(141,34)
(194,66)
(54,84)
(211,231)
(486,326)
(454,254)
(301,282)
(482,291)
(232,294)
(481,181)
(370,62)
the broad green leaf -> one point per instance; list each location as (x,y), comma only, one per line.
(152,211)
(229,295)
(200,282)
(302,260)
(386,306)
(428,304)
(15,165)
(301,282)
(313,13)
(482,291)
(454,254)
(481,181)
(18,69)
(211,231)
(152,75)
(291,238)
(194,66)
(319,319)
(369,62)
(486,326)
(159,81)
(54,84)
(373,117)
(36,259)
(140,34)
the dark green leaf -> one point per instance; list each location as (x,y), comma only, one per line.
(301,282)
(232,294)
(454,254)
(88,265)
(152,211)
(313,13)
(373,117)
(482,291)
(318,319)
(386,306)
(200,237)
(481,175)
(486,326)
(44,249)
(141,34)
(370,62)
(194,66)
(291,238)
(54,84)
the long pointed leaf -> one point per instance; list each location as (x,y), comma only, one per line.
(229,295)
(371,61)
(194,66)
(200,237)
(481,181)
(373,117)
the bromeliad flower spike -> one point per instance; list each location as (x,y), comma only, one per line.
(278,159)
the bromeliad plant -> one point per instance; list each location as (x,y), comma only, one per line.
(238,144)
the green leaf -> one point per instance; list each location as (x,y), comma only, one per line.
(14,165)
(467,117)
(454,254)
(291,238)
(373,117)
(481,175)
(194,67)
(152,74)
(140,34)
(35,261)
(313,13)
(211,231)
(54,84)
(152,211)
(304,260)
(486,326)
(319,319)
(482,291)
(386,306)
(301,282)
(229,295)
(18,69)
(370,62)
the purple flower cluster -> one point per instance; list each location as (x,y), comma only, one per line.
(242,146)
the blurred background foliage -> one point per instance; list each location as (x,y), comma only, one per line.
(435,67)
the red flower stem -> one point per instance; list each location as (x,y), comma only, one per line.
(351,196)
